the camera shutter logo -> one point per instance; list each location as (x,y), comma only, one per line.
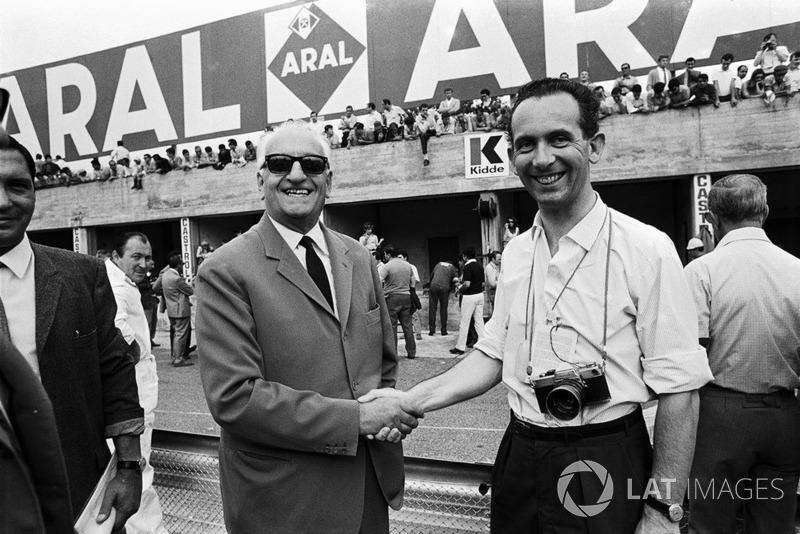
(585,510)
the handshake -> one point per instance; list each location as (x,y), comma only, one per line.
(388,414)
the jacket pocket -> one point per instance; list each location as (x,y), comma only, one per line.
(373,316)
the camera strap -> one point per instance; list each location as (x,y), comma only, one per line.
(551,317)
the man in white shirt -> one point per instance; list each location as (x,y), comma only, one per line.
(126,268)
(121,154)
(659,74)
(770,55)
(347,124)
(449,108)
(600,297)
(315,125)
(723,81)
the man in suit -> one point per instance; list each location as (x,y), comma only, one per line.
(293,327)
(63,325)
(179,310)
(34,493)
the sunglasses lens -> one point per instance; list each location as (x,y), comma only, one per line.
(279,164)
(313,164)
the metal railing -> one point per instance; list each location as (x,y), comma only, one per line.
(441,497)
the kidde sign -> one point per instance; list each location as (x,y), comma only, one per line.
(485,155)
(239,74)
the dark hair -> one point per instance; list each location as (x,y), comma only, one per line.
(662,56)
(448,89)
(121,241)
(404,254)
(703,76)
(390,250)
(328,127)
(174,260)
(636,88)
(221,146)
(171,150)
(486,92)
(616,91)
(727,57)
(371,105)
(348,107)
(587,103)
(794,55)
(469,252)
(690,58)
(658,87)
(233,142)
(768,36)
(119,143)
(493,254)
(246,143)
(387,102)
(15,145)
(739,198)
(673,83)
(625,65)
(752,81)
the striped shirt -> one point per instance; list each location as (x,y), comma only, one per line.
(747,293)
(652,340)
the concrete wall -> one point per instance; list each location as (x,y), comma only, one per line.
(667,144)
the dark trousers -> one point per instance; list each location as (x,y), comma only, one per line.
(151,314)
(180,334)
(437,298)
(345,137)
(375,516)
(423,139)
(750,444)
(400,310)
(530,467)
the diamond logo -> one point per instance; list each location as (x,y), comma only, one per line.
(304,23)
(312,65)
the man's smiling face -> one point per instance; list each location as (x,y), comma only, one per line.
(295,199)
(549,152)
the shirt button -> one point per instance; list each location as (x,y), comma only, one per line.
(355,386)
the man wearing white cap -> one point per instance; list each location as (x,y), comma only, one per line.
(695,249)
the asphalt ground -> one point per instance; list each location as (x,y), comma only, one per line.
(467,432)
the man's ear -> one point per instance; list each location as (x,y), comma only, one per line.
(260,185)
(596,146)
(329,184)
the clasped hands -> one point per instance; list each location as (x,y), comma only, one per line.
(388,414)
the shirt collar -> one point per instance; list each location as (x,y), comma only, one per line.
(115,274)
(744,234)
(19,258)
(469,261)
(586,231)
(293,238)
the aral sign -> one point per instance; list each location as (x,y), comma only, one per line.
(239,74)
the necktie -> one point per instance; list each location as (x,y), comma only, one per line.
(316,270)
(4,330)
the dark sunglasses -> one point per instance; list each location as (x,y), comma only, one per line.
(283,163)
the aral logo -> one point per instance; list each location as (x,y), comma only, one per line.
(316,57)
(485,155)
(585,510)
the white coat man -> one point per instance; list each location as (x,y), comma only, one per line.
(126,268)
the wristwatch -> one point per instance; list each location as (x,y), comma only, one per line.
(673,512)
(137,466)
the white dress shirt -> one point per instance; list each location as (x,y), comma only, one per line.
(130,318)
(293,238)
(652,341)
(18,292)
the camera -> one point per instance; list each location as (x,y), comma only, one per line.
(563,394)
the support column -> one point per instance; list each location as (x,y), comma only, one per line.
(82,239)
(491,229)
(189,241)
(701,226)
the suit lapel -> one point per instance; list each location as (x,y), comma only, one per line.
(288,265)
(47,282)
(342,267)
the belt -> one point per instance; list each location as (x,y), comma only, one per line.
(577,433)
(783,397)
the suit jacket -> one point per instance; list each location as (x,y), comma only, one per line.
(34,493)
(281,374)
(84,363)
(176,293)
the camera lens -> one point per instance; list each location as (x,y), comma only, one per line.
(565,401)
